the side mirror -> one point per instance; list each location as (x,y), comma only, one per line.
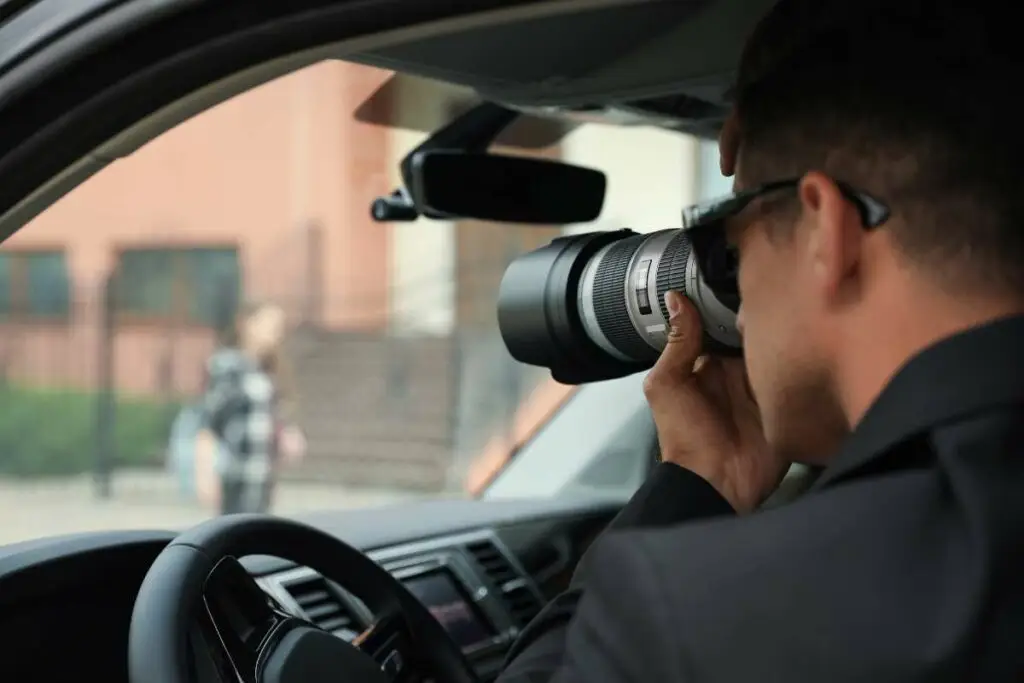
(505,189)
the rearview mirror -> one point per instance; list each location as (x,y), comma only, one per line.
(505,189)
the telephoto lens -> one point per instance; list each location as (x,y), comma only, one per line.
(591,307)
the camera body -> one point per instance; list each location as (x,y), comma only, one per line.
(591,306)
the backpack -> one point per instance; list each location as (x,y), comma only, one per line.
(181,453)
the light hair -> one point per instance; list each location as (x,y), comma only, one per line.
(276,363)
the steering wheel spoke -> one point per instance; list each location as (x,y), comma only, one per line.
(242,621)
(387,641)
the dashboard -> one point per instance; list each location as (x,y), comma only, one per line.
(484,569)
(472,584)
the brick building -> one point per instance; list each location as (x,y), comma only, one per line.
(393,339)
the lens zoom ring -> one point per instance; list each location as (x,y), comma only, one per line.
(672,269)
(610,300)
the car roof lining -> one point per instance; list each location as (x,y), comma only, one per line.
(622,53)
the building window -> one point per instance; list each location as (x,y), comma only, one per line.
(34,285)
(197,285)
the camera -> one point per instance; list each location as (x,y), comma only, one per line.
(591,306)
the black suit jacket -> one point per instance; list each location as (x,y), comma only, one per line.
(904,562)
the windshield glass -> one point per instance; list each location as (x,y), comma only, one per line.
(239,247)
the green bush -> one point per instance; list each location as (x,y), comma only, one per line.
(51,432)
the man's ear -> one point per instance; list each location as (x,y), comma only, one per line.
(833,234)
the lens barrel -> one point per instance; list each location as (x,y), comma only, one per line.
(591,306)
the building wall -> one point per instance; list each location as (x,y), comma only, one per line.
(710,181)
(282,172)
(651,174)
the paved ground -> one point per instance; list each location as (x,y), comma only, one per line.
(143,500)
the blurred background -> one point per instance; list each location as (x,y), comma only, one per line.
(113,301)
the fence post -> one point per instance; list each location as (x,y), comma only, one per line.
(106,405)
(456,474)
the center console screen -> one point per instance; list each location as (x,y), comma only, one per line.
(444,597)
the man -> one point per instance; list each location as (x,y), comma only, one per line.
(882,279)
(234,449)
(237,447)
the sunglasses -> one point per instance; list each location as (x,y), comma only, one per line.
(717,260)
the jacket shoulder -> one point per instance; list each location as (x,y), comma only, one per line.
(788,590)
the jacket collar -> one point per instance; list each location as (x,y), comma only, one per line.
(974,370)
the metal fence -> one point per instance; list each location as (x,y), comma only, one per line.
(95,394)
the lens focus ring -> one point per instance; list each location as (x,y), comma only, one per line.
(672,269)
(610,300)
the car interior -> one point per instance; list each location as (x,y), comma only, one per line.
(431,590)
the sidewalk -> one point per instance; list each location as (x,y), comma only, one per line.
(145,500)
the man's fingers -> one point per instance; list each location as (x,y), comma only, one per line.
(676,364)
(685,330)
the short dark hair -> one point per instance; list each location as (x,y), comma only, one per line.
(911,100)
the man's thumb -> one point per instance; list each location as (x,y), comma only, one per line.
(684,327)
(676,363)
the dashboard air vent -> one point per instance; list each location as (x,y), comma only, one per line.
(522,601)
(321,605)
(494,563)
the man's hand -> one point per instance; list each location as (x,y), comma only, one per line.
(208,485)
(292,444)
(706,417)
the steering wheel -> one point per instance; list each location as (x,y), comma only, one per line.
(197,582)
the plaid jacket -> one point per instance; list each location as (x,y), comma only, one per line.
(239,407)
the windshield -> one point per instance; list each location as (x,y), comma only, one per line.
(239,247)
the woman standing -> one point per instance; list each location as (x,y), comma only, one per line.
(246,430)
